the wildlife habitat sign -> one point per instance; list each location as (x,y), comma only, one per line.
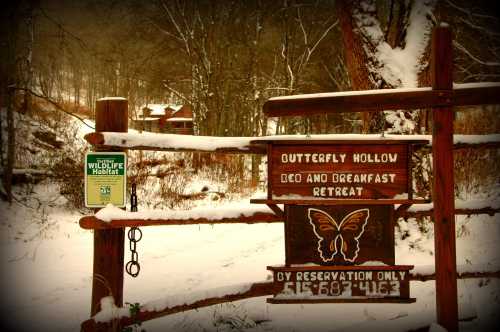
(105,179)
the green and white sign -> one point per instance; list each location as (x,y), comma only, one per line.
(105,179)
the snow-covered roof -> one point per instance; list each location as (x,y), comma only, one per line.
(157,109)
(176,108)
(180,120)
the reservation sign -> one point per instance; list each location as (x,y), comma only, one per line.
(316,284)
(315,170)
(105,179)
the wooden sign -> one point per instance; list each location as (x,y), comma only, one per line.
(339,235)
(105,179)
(318,284)
(348,170)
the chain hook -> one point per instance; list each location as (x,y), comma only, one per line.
(133,267)
(134,235)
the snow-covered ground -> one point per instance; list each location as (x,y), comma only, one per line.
(47,266)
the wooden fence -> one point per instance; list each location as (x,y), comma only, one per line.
(111,128)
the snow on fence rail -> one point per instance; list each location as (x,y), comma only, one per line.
(469,207)
(384,99)
(246,213)
(172,142)
(182,302)
(113,217)
(175,304)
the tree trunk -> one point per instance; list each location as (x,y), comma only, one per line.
(11,33)
(355,57)
(28,82)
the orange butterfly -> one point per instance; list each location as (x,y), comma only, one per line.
(328,232)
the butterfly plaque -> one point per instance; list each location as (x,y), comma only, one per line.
(339,235)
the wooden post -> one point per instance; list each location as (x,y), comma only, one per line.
(111,115)
(443,186)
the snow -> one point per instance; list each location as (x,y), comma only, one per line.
(179,119)
(475,139)
(462,204)
(203,143)
(423,270)
(209,143)
(212,143)
(158,109)
(231,210)
(398,66)
(110,311)
(373,263)
(475,85)
(192,297)
(150,119)
(111,98)
(383,91)
(351,93)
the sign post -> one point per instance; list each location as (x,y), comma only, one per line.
(111,115)
(443,193)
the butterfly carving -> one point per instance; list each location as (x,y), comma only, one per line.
(330,233)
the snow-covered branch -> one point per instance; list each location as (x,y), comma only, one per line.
(461,48)
(469,13)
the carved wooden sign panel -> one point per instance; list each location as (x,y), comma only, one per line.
(316,284)
(322,170)
(339,235)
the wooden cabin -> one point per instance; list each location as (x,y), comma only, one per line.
(164,118)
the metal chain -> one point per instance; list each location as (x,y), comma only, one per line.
(134,235)
(133,267)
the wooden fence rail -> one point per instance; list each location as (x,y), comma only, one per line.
(388,99)
(241,145)
(92,222)
(256,290)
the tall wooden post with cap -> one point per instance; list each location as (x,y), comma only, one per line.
(111,115)
(443,194)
